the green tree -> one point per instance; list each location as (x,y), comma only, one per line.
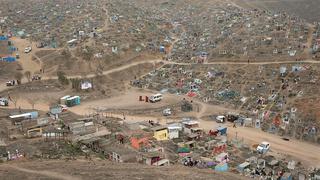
(62,78)
(18,77)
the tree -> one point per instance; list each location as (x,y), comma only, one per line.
(62,78)
(18,77)
(75,83)
(32,101)
(27,74)
(14,98)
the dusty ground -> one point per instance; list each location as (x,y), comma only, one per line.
(81,169)
(294,7)
(26,59)
(128,100)
(298,150)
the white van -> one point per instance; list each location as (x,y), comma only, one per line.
(155,98)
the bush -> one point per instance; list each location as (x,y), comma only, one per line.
(62,78)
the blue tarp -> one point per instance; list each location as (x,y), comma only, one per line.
(9,59)
(162,49)
(12,48)
(222,130)
(55,110)
(3,38)
(34,114)
(221,167)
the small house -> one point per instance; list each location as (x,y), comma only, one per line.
(17,119)
(120,154)
(190,144)
(174,130)
(189,126)
(160,133)
(53,133)
(137,143)
(243,166)
(155,158)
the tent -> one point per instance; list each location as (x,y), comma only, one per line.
(222,167)
(9,59)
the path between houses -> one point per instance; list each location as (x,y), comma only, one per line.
(47,173)
(307,153)
(121,68)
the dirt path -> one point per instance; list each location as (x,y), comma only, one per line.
(25,60)
(307,153)
(46,173)
(37,67)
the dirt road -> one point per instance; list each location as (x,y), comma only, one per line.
(25,59)
(45,173)
(307,153)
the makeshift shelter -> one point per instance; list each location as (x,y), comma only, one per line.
(243,166)
(174,130)
(160,133)
(137,143)
(222,167)
(17,119)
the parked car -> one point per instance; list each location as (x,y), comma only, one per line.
(11,83)
(27,49)
(220,119)
(155,98)
(263,147)
(4,102)
(167,112)
(36,77)
(64,107)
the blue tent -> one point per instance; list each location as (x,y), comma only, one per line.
(3,38)
(9,59)
(223,167)
(222,130)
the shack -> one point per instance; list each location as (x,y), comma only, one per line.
(160,133)
(174,130)
(120,154)
(189,126)
(18,118)
(53,133)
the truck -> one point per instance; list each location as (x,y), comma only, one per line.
(167,112)
(263,147)
(36,77)
(10,83)
(4,102)
(155,98)
(27,49)
(73,101)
